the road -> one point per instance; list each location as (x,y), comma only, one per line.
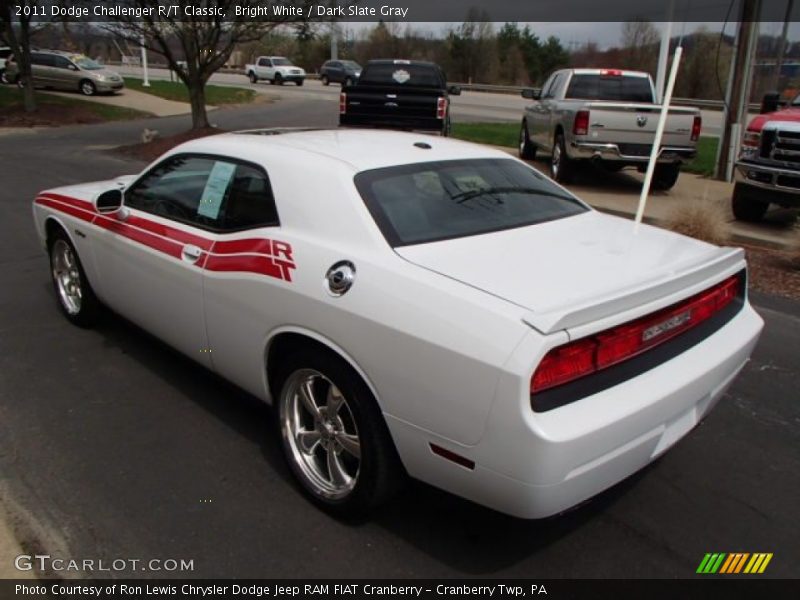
(114,446)
(469,106)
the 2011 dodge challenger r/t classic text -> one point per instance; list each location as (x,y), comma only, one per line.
(413,305)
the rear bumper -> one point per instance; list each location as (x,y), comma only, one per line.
(534,465)
(613,152)
(774,184)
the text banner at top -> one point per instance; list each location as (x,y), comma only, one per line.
(409,11)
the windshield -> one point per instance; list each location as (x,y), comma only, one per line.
(428,202)
(86,63)
(282,62)
(610,87)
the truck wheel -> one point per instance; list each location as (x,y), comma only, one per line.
(745,207)
(299,82)
(562,168)
(253,78)
(325,81)
(334,437)
(278,79)
(447,127)
(526,149)
(665,176)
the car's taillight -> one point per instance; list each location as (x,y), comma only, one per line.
(696,126)
(342,103)
(441,107)
(581,125)
(582,357)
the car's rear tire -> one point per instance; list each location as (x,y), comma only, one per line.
(324,79)
(278,79)
(665,176)
(73,291)
(333,434)
(252,76)
(745,207)
(527,150)
(562,168)
(87,88)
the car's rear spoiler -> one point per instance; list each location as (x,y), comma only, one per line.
(726,262)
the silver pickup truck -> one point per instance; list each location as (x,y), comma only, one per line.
(605,115)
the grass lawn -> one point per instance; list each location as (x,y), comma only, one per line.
(506,134)
(176,90)
(58,110)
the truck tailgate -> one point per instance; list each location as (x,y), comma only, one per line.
(389,104)
(625,123)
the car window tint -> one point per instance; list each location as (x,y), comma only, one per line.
(610,87)
(207,192)
(434,201)
(402,74)
(44,60)
(61,62)
(263,62)
(250,202)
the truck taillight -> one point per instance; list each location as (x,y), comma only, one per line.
(697,125)
(581,125)
(588,355)
(342,103)
(441,107)
(610,73)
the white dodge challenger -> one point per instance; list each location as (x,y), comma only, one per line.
(413,304)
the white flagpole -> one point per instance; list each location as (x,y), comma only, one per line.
(657,141)
(145,78)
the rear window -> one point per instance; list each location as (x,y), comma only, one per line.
(428,202)
(610,87)
(402,74)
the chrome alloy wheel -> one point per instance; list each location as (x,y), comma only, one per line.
(66,276)
(523,141)
(555,161)
(320,430)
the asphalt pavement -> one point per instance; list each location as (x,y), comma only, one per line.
(114,446)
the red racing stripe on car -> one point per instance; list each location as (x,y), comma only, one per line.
(264,256)
(250,263)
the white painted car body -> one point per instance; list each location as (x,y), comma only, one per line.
(446,334)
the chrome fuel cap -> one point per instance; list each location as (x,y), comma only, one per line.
(340,277)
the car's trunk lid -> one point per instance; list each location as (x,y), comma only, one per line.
(575,270)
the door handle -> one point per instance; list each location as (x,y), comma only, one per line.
(191,253)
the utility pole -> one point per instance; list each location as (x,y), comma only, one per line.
(738,89)
(776,82)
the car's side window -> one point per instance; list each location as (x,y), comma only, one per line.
(62,62)
(44,60)
(262,62)
(551,89)
(207,192)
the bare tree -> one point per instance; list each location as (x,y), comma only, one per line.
(194,46)
(19,41)
(640,45)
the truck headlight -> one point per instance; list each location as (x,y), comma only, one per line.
(751,140)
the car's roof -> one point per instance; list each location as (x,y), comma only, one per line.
(361,149)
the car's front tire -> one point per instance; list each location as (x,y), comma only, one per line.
(87,88)
(325,81)
(333,434)
(299,82)
(527,150)
(73,291)
(252,77)
(278,79)
(745,207)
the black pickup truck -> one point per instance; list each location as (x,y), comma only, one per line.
(399,94)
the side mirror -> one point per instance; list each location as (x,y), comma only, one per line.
(454,90)
(532,93)
(109,201)
(770,102)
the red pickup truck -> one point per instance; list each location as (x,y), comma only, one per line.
(768,168)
